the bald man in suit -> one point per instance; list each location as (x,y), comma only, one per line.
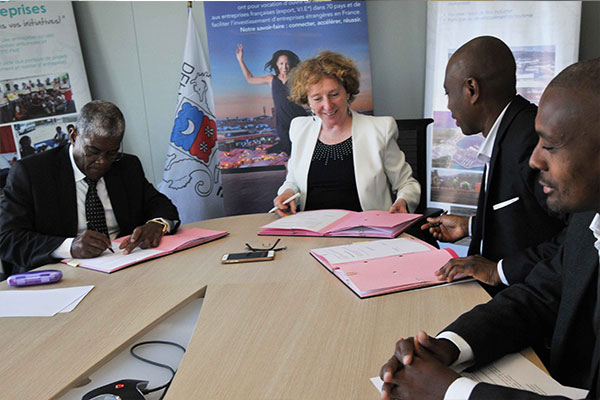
(513,229)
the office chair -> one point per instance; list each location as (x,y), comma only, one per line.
(412,140)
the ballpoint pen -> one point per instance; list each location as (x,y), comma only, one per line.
(288,200)
(439,223)
(91,227)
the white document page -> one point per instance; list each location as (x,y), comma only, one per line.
(74,303)
(369,250)
(308,220)
(107,260)
(40,303)
(515,371)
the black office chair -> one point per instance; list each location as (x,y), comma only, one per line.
(412,140)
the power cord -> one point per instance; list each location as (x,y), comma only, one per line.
(165,366)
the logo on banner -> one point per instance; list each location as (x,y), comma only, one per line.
(193,141)
(194,131)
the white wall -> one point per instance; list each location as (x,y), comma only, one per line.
(133,51)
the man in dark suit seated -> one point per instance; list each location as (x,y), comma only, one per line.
(512,229)
(67,202)
(560,298)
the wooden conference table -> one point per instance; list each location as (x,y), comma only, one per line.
(279,329)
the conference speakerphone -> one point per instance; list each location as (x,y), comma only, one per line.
(126,389)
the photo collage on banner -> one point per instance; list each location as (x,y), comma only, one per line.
(544,38)
(42,78)
(246,40)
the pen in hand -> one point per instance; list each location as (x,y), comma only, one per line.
(91,227)
(287,201)
(439,223)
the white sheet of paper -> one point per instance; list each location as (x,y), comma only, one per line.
(308,220)
(369,250)
(73,304)
(40,303)
(107,260)
(514,370)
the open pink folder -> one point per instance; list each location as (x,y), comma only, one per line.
(374,223)
(403,265)
(183,239)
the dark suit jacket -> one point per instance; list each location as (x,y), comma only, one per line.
(39,209)
(557,300)
(509,231)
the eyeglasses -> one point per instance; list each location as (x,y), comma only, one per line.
(266,247)
(94,154)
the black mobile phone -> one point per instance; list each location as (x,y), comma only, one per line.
(248,257)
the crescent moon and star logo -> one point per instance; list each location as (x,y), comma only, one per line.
(194,132)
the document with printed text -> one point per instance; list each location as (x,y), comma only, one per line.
(384,266)
(373,223)
(109,262)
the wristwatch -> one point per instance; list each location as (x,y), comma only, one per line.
(165,226)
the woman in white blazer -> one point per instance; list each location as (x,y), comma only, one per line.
(340,158)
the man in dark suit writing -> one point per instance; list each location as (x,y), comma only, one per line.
(70,201)
(512,228)
(560,298)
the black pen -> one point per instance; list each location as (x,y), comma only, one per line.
(439,223)
(91,227)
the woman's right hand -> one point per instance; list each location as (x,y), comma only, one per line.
(285,209)
(239,52)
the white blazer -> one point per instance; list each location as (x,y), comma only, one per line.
(378,162)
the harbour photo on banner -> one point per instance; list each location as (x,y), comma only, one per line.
(253,115)
(544,38)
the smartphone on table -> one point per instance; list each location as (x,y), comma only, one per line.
(231,258)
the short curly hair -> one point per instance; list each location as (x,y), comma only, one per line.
(326,64)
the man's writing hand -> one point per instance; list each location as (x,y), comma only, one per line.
(418,368)
(447,228)
(476,266)
(89,244)
(144,236)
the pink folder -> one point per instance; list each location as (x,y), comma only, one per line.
(374,223)
(183,239)
(389,274)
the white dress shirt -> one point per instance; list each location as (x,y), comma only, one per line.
(81,188)
(462,387)
(595,228)
(64,250)
(485,155)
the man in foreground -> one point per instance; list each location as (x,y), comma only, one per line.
(559,298)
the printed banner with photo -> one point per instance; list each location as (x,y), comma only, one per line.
(253,46)
(544,38)
(42,78)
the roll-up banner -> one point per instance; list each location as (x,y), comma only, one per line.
(42,78)
(544,38)
(253,115)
